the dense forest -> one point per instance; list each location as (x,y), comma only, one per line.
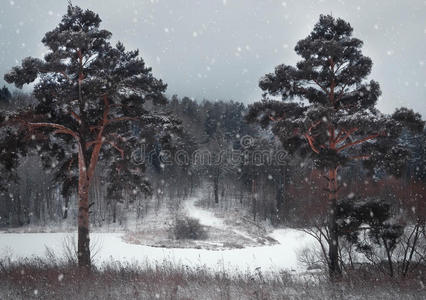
(266,189)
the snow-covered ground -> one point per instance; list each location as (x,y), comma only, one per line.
(111,247)
(208,218)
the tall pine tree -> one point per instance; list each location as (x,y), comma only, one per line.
(328,112)
(94,102)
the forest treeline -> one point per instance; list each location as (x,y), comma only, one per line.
(286,191)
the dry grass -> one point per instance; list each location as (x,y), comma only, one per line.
(53,279)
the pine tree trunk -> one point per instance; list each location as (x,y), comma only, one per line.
(280,192)
(216,190)
(254,202)
(389,256)
(83,249)
(334,268)
(114,211)
(83,227)
(65,214)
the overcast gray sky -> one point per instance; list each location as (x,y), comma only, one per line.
(217,49)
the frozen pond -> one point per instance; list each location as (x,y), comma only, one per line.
(110,246)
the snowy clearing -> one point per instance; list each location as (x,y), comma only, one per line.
(224,230)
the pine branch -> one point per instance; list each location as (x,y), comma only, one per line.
(347,135)
(60,128)
(310,139)
(340,134)
(311,143)
(358,142)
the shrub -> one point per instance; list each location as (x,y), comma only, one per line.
(188,228)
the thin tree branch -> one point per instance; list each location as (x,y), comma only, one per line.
(360,157)
(340,96)
(114,145)
(77,117)
(323,88)
(123,119)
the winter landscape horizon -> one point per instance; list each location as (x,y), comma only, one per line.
(212,149)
